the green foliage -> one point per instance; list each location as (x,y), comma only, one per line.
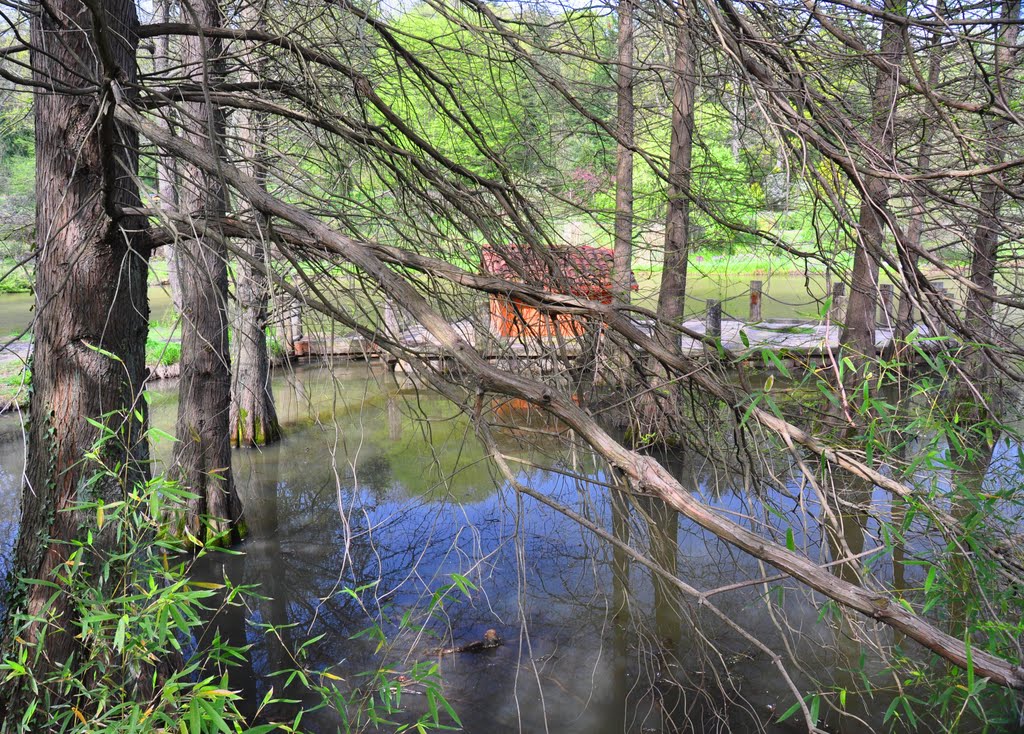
(275,349)
(16,278)
(955,539)
(377,700)
(144,660)
(495,110)
(135,667)
(162,352)
(20,175)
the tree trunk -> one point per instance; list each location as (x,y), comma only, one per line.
(905,314)
(91,309)
(253,419)
(859,328)
(672,295)
(622,274)
(985,248)
(202,456)
(167,166)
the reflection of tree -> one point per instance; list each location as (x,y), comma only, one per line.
(621,600)
(971,460)
(663,531)
(8,527)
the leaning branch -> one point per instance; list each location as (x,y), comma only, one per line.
(643,472)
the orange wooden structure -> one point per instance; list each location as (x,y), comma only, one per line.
(577,271)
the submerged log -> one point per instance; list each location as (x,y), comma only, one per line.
(490,641)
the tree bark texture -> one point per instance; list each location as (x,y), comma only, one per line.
(672,295)
(253,419)
(985,247)
(92,313)
(622,273)
(859,327)
(202,456)
(167,166)
(910,248)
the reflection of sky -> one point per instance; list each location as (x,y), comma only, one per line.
(395,497)
(12,463)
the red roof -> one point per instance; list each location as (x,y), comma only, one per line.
(577,271)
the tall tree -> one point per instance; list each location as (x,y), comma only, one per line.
(167,166)
(985,245)
(91,318)
(622,271)
(672,295)
(912,244)
(859,326)
(253,419)
(202,455)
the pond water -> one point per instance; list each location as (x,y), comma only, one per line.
(16,310)
(380,493)
(785,296)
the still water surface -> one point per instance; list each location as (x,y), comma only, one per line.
(385,489)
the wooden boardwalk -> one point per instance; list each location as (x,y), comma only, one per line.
(791,339)
(788,338)
(785,336)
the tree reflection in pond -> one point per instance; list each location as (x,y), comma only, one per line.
(390,492)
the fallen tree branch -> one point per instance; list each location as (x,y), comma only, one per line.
(644,473)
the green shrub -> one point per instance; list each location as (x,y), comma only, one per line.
(136,667)
(145,661)
(16,278)
(274,347)
(164,353)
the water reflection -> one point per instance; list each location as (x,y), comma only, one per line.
(12,464)
(388,492)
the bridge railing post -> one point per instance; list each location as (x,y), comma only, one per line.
(835,312)
(713,318)
(885,298)
(940,292)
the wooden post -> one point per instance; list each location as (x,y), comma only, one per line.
(909,315)
(755,301)
(391,320)
(297,334)
(482,325)
(941,296)
(713,322)
(285,325)
(838,296)
(885,293)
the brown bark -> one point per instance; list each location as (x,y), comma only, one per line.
(985,247)
(859,327)
(253,420)
(202,456)
(167,166)
(912,244)
(91,308)
(643,472)
(672,295)
(622,274)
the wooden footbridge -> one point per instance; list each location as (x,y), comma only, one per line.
(792,340)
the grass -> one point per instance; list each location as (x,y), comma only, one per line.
(18,277)
(157,271)
(15,278)
(704,262)
(162,352)
(14,382)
